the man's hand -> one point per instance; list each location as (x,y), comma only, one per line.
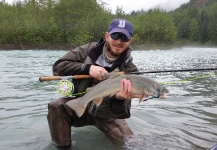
(98,72)
(126,92)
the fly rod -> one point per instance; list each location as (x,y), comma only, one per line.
(179,70)
(50,78)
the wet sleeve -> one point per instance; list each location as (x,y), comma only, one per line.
(113,108)
(130,66)
(72,62)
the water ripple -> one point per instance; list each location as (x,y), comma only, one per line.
(186,120)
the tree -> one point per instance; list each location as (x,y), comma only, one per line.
(194,30)
(183,29)
(157,27)
(119,13)
(204,27)
(212,26)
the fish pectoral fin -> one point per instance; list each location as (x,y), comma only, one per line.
(88,89)
(141,98)
(113,94)
(74,105)
(98,101)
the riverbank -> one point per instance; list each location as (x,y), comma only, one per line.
(35,47)
(146,46)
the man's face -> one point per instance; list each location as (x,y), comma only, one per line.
(116,47)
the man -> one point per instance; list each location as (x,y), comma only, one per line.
(96,59)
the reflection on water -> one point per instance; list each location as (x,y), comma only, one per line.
(186,120)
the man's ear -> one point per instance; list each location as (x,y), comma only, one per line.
(106,35)
(131,39)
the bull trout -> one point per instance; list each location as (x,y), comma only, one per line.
(140,85)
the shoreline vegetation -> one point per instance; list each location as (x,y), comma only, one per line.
(66,24)
(148,46)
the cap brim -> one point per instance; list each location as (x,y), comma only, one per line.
(125,32)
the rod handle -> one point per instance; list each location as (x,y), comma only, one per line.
(50,78)
(81,76)
(120,72)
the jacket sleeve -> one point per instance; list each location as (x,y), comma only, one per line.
(72,62)
(113,108)
(129,66)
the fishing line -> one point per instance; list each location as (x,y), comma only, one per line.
(186,80)
(190,79)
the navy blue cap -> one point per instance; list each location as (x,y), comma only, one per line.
(122,26)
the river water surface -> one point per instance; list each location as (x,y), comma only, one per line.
(187,120)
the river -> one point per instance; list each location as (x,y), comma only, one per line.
(187,120)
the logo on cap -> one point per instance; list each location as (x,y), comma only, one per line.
(121,24)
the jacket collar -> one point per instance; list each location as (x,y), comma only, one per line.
(97,50)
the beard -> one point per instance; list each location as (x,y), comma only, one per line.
(109,49)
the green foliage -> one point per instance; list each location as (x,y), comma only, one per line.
(204,26)
(119,13)
(196,21)
(81,20)
(155,27)
(183,28)
(212,26)
(194,30)
(76,22)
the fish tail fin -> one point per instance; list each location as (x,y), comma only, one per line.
(74,104)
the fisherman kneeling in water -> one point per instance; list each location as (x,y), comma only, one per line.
(96,59)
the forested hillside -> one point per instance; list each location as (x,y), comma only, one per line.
(70,23)
(197,21)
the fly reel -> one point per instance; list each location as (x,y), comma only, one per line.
(65,88)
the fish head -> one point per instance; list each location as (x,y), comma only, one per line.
(163,92)
(151,91)
(163,89)
(156,91)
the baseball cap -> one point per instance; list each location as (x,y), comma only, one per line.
(121,25)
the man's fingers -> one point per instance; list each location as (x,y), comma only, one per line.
(126,89)
(129,89)
(105,76)
(122,86)
(98,72)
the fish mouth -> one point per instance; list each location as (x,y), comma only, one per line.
(163,96)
